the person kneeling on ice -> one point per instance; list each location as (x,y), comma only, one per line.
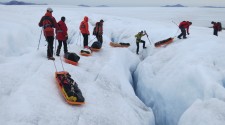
(48,22)
(183,27)
(138,40)
(62,36)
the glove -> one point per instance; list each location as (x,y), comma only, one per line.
(66,37)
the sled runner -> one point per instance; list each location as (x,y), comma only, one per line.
(71,58)
(164,42)
(85,52)
(69,88)
(113,44)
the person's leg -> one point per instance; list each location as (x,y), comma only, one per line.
(142,41)
(85,40)
(100,39)
(215,32)
(184,33)
(137,43)
(65,46)
(50,40)
(59,48)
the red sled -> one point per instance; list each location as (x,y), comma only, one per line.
(114,44)
(71,58)
(164,42)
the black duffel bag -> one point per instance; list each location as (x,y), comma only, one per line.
(72,56)
(96,45)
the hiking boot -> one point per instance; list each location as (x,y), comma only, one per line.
(57,54)
(144,47)
(137,53)
(185,37)
(178,37)
(51,58)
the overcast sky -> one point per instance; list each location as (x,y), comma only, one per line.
(130,2)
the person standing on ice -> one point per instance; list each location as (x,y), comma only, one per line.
(215,28)
(138,40)
(62,36)
(183,27)
(48,23)
(85,31)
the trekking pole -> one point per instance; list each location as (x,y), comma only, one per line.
(177,29)
(148,38)
(55,47)
(91,40)
(39,40)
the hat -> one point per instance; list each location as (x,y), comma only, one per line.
(63,18)
(49,9)
(101,20)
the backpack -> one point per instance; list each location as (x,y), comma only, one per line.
(219,26)
(47,22)
(82,26)
(95,30)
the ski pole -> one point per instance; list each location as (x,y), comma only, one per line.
(177,29)
(175,23)
(55,47)
(39,40)
(91,40)
(148,38)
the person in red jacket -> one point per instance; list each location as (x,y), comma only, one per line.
(183,27)
(215,28)
(48,23)
(62,36)
(85,31)
(99,31)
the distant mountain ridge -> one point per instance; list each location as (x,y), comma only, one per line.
(177,5)
(14,2)
(212,7)
(83,5)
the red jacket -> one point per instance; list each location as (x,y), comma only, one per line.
(185,24)
(84,26)
(215,26)
(48,22)
(61,33)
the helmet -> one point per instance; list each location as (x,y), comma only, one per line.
(49,9)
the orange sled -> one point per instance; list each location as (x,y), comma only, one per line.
(94,49)
(164,42)
(71,62)
(69,88)
(113,44)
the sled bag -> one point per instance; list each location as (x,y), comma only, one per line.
(96,45)
(72,56)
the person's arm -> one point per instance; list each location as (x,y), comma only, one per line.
(40,23)
(188,30)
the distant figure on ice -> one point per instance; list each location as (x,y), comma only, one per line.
(138,40)
(85,31)
(48,23)
(216,27)
(183,27)
(98,31)
(62,36)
